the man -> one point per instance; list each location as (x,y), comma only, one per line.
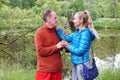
(48,45)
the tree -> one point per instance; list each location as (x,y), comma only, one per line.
(24,4)
(48,4)
(77,5)
(115,11)
(65,7)
(101,8)
(4,2)
(118,9)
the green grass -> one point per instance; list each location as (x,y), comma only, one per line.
(109,74)
(18,75)
(15,72)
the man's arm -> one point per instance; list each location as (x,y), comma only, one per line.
(41,49)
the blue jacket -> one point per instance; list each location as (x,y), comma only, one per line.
(80,44)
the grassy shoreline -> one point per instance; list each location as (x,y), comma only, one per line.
(22,74)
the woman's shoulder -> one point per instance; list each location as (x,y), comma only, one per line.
(85,31)
(88,33)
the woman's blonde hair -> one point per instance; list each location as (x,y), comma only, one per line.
(87,22)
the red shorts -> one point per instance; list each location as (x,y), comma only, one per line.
(48,76)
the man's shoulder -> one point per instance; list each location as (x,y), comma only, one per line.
(40,30)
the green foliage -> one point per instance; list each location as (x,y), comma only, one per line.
(51,4)
(102,8)
(23,4)
(18,18)
(67,68)
(77,5)
(118,11)
(65,7)
(107,23)
(4,2)
(19,47)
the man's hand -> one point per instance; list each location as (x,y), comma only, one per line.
(59,45)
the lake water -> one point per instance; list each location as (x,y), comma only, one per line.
(110,62)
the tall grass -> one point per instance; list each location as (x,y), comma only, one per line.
(109,74)
(30,75)
(18,75)
(16,72)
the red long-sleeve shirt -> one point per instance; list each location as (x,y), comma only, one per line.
(48,56)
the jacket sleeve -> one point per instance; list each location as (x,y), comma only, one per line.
(61,36)
(84,45)
(41,49)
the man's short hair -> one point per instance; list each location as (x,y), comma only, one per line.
(47,13)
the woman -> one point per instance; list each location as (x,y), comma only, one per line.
(81,41)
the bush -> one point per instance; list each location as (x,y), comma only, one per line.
(19,18)
(107,23)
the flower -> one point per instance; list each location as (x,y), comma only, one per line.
(64,29)
(62,32)
(65,25)
(65,33)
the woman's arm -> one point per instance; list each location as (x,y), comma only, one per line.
(84,45)
(61,35)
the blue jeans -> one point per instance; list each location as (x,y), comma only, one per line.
(77,71)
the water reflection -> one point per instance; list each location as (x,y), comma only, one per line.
(109,62)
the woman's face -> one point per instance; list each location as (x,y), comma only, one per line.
(77,22)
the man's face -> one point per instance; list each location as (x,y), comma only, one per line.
(53,20)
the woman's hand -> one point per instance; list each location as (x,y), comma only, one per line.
(65,44)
